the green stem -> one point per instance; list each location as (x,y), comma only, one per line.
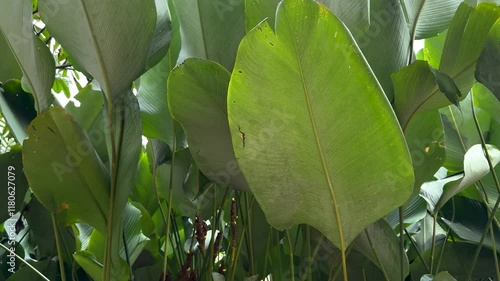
(169,205)
(113,177)
(495,257)
(497,184)
(433,246)
(417,250)
(249,207)
(59,249)
(402,251)
(291,253)
(382,268)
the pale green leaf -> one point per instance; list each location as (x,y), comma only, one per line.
(309,148)
(200,87)
(109,39)
(58,155)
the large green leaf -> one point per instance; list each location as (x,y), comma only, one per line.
(210,29)
(426,18)
(375,25)
(321,141)
(112,40)
(31,53)
(201,86)
(488,64)
(9,69)
(58,155)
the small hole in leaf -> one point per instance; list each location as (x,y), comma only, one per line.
(271,44)
(239,71)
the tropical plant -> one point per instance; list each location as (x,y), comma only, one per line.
(249,140)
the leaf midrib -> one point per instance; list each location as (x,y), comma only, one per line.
(97,50)
(318,142)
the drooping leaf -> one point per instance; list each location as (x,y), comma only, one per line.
(210,29)
(112,40)
(17,107)
(475,167)
(299,126)
(201,86)
(31,53)
(447,86)
(488,64)
(58,155)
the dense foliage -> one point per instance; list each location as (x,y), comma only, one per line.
(249,140)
